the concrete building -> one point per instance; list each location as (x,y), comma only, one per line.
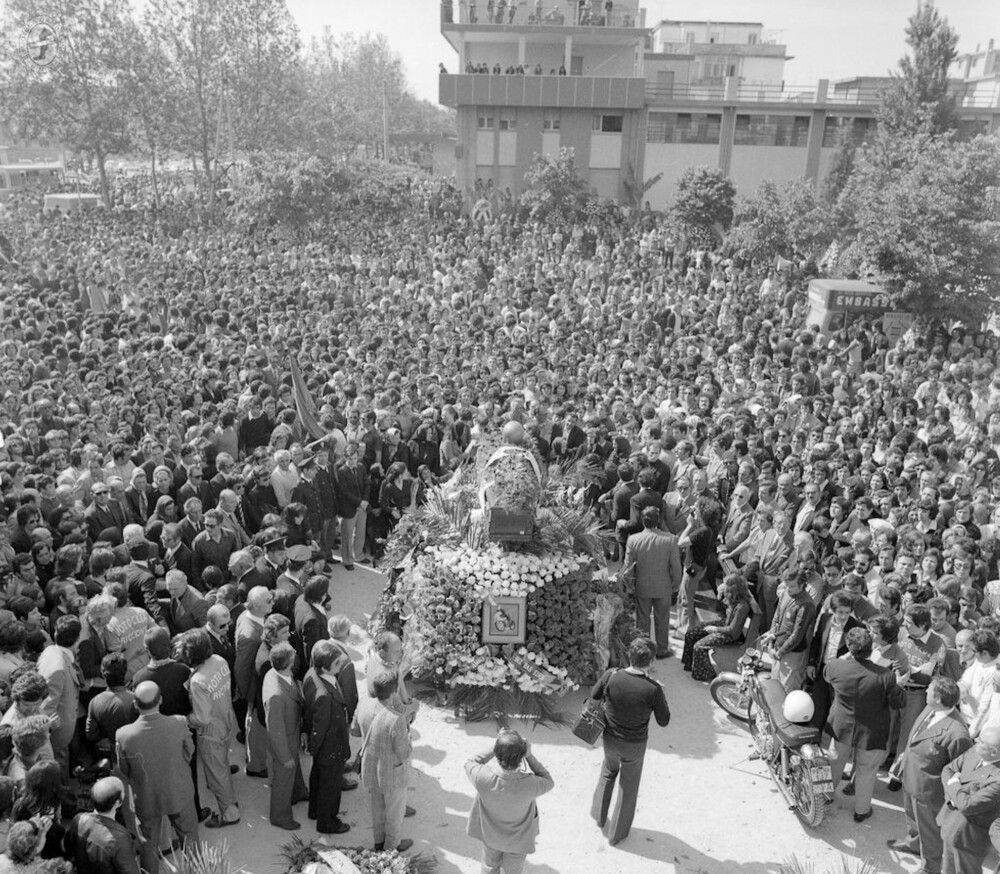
(635,102)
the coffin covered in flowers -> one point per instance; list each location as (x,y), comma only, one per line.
(500,628)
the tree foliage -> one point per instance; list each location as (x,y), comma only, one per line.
(293,190)
(923,216)
(84,96)
(705,203)
(554,188)
(788,220)
(841,165)
(918,97)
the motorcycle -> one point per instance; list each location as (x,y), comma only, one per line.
(797,764)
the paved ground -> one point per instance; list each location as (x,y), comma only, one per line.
(704,808)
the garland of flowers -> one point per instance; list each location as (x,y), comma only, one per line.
(444,569)
(303,858)
(441,599)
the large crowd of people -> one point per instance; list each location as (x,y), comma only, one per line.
(173,511)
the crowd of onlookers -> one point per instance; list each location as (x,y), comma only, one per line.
(174,501)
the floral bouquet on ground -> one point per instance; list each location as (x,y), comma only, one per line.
(318,857)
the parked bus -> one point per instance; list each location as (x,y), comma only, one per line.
(14,176)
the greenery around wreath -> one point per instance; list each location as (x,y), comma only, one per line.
(444,568)
(307,858)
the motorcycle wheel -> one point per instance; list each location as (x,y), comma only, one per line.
(728,696)
(810,806)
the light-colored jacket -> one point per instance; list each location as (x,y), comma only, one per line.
(385,739)
(58,665)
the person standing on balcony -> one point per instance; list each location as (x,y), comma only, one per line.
(608,8)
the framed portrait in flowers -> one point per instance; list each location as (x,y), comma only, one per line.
(505,619)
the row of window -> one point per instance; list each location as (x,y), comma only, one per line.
(684,127)
(771,130)
(507,121)
(706,128)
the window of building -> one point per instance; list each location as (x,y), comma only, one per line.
(771,130)
(607,124)
(683,127)
(752,39)
(551,120)
(485,122)
(860,128)
(508,119)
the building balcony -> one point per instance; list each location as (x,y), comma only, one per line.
(584,92)
(622,14)
(727,91)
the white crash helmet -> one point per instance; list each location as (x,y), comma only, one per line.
(798,707)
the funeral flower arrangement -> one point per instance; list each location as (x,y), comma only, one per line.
(320,858)
(449,575)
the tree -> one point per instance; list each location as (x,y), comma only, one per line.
(924,220)
(189,35)
(554,188)
(703,209)
(788,220)
(262,44)
(841,165)
(85,94)
(293,190)
(918,97)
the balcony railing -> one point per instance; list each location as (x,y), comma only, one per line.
(603,92)
(871,95)
(551,14)
(742,92)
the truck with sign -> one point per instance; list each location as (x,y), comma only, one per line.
(839,303)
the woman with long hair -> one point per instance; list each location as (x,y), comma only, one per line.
(42,797)
(729,631)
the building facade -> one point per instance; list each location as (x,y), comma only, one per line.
(637,103)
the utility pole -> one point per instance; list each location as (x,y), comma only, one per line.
(385,120)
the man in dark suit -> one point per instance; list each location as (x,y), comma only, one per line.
(326,484)
(193,522)
(647,496)
(196,487)
(187,609)
(154,755)
(310,616)
(619,499)
(141,582)
(103,513)
(258,499)
(176,555)
(938,737)
(352,505)
(306,492)
(217,624)
(139,500)
(971,800)
(95,841)
(812,507)
(325,720)
(212,547)
(863,696)
(653,564)
(829,642)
